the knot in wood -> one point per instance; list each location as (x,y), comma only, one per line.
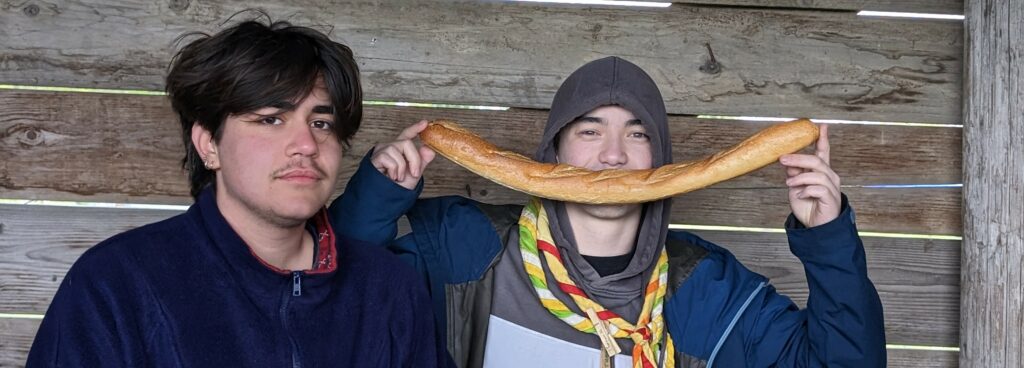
(31,10)
(711,67)
(178,5)
(30,136)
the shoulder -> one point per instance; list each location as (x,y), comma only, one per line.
(463,209)
(459,235)
(133,248)
(447,206)
(706,260)
(715,290)
(458,218)
(117,272)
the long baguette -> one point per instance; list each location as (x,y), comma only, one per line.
(614,186)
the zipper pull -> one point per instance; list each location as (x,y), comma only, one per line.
(296,283)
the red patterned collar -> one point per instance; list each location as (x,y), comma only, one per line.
(326,252)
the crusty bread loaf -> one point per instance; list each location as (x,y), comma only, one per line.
(573,184)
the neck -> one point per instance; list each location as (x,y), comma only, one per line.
(604,231)
(284,247)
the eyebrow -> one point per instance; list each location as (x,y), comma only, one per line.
(283,105)
(594,119)
(288,106)
(323,109)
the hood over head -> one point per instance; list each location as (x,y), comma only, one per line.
(603,82)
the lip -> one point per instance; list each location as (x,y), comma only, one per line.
(300,176)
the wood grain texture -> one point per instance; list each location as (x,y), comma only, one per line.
(993,280)
(769,62)
(912,6)
(116,148)
(917,279)
(922,359)
(16,337)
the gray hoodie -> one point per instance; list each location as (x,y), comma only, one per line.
(607,81)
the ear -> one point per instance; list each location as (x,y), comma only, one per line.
(202,139)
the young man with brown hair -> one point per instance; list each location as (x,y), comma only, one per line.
(253,274)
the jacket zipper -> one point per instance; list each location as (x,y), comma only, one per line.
(296,290)
(735,318)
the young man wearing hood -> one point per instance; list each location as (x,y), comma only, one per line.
(559,284)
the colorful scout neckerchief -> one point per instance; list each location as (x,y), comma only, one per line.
(535,237)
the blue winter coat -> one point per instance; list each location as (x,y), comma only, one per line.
(720,313)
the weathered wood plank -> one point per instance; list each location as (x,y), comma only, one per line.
(935,211)
(92,145)
(16,337)
(913,6)
(917,279)
(993,281)
(114,148)
(772,63)
(922,359)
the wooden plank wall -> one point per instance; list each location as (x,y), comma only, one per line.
(782,58)
(912,6)
(992,278)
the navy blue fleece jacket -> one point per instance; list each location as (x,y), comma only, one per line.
(187,292)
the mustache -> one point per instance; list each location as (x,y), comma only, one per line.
(301,165)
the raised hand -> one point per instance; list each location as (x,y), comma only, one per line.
(814,193)
(401,160)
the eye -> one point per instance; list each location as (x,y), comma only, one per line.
(270,120)
(640,135)
(322,125)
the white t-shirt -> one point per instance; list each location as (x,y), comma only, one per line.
(514,346)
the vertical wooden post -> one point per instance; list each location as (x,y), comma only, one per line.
(992,279)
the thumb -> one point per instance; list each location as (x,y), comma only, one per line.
(426,156)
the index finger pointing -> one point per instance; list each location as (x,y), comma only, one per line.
(412,131)
(822,146)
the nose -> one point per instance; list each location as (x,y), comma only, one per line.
(613,153)
(301,140)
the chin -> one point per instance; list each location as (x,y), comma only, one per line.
(304,209)
(610,211)
(290,217)
(300,207)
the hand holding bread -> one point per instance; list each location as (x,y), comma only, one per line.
(814,191)
(400,160)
